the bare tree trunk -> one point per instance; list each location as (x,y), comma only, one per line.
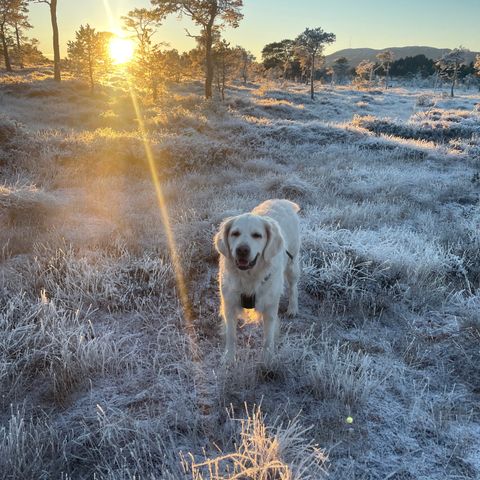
(56,40)
(223,80)
(19,47)
(453,81)
(312,75)
(245,69)
(6,56)
(218,84)
(209,60)
(154,90)
(90,72)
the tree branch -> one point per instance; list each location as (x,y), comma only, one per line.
(192,36)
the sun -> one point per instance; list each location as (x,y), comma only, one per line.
(121,50)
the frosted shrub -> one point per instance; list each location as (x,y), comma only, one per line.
(425,101)
(8,130)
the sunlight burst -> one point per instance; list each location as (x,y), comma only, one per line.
(121,50)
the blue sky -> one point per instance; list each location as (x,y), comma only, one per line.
(356,23)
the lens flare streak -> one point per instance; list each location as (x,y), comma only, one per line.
(175,258)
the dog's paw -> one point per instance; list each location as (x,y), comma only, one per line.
(292,311)
(228,358)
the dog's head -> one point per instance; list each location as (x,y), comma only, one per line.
(248,239)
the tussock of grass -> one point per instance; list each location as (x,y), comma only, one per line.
(279,451)
(62,347)
(436,131)
(115,280)
(28,447)
(341,374)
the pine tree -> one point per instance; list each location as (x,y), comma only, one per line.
(449,66)
(386,59)
(20,23)
(146,67)
(8,10)
(340,69)
(313,40)
(209,15)
(88,54)
(365,70)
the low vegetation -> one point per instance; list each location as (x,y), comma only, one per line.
(104,374)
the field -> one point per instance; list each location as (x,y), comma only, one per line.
(107,372)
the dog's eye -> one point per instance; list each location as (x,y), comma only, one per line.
(235,234)
(256,235)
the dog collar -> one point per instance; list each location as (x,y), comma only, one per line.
(247,301)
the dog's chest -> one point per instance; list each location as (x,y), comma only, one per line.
(255,296)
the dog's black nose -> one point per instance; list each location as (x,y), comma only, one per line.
(243,251)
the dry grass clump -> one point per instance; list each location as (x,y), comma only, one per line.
(371,269)
(26,204)
(262,452)
(114,280)
(308,133)
(341,374)
(29,448)
(425,100)
(108,444)
(9,129)
(26,212)
(43,343)
(291,187)
(346,281)
(438,131)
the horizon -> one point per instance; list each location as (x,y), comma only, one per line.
(353,30)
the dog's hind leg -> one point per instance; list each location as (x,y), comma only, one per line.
(292,275)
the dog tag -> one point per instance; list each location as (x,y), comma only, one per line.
(247,301)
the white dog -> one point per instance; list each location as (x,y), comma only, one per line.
(258,250)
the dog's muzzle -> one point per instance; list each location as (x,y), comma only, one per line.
(245,264)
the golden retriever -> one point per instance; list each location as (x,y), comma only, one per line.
(257,251)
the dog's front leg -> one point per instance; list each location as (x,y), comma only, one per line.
(230,318)
(270,329)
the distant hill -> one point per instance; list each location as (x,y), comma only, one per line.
(356,55)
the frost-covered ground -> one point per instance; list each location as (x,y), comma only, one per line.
(102,375)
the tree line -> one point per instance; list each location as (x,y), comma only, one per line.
(284,59)
(16,48)
(299,60)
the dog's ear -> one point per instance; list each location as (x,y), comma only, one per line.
(221,237)
(275,242)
